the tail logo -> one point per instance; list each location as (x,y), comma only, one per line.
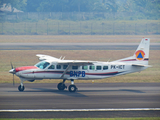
(140,55)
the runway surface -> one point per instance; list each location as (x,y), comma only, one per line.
(89,96)
(74,46)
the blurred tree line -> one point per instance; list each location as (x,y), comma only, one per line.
(145,7)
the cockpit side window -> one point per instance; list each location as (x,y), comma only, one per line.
(42,65)
(51,67)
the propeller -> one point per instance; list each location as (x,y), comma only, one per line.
(13,72)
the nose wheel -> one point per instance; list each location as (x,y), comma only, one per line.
(21,88)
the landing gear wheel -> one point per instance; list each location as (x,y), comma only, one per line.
(21,88)
(61,86)
(72,88)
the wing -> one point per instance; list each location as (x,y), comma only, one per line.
(61,61)
(46,57)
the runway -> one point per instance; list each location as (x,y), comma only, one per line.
(74,46)
(89,96)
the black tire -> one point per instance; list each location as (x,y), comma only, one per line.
(72,88)
(61,86)
(21,88)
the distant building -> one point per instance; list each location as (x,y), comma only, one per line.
(9,9)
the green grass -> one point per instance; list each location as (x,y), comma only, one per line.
(94,27)
(147,118)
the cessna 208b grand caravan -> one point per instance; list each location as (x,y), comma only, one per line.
(54,68)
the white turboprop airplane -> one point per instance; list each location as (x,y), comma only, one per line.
(54,68)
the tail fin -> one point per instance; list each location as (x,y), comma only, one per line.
(141,55)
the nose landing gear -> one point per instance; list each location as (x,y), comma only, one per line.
(21,87)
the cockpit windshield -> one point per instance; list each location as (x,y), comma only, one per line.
(42,65)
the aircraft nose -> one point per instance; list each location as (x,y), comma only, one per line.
(12,71)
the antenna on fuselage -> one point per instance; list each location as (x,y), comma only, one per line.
(60,57)
(63,58)
(109,59)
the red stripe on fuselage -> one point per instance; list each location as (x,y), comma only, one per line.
(25,68)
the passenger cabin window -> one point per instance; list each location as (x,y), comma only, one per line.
(58,66)
(65,66)
(92,67)
(98,67)
(84,67)
(105,67)
(42,65)
(51,67)
(74,67)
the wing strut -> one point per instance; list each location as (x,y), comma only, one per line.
(65,71)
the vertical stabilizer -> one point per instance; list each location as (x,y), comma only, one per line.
(141,55)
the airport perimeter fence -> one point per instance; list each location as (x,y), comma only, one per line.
(75,24)
(80,16)
(78,28)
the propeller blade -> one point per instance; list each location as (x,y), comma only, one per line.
(13,80)
(12,73)
(11,65)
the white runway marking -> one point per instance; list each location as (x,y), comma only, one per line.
(79,110)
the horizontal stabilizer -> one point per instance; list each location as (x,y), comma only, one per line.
(140,65)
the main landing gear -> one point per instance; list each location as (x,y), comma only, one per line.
(72,88)
(61,86)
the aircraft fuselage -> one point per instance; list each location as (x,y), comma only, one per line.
(98,70)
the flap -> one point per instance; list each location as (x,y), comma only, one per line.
(75,62)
